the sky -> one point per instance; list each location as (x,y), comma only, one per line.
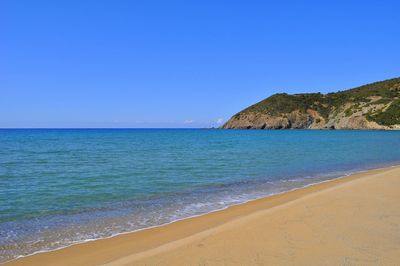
(182,63)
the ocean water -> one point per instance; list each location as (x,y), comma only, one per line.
(64,186)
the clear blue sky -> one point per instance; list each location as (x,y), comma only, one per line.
(182,63)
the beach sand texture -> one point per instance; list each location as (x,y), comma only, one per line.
(353,220)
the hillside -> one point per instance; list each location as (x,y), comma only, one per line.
(372,106)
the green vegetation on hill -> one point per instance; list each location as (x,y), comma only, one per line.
(383,92)
(391,116)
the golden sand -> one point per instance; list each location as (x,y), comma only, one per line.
(353,220)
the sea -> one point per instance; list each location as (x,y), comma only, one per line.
(60,187)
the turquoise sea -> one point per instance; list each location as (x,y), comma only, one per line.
(64,186)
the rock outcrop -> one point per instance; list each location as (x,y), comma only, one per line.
(372,106)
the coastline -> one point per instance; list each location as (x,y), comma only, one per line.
(145,244)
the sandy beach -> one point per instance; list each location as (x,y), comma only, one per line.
(353,220)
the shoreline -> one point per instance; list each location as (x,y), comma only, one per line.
(156,237)
(329,179)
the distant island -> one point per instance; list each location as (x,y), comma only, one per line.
(372,106)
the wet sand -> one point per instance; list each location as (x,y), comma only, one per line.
(353,220)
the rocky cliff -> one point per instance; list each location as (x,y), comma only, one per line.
(372,106)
